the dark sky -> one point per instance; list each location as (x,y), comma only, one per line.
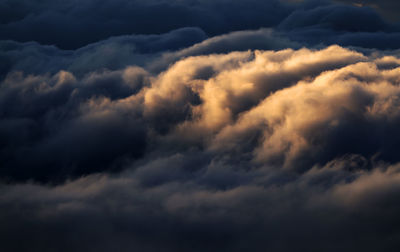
(199,125)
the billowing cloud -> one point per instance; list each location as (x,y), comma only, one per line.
(155,52)
(199,125)
(235,146)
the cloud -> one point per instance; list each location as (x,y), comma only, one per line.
(265,105)
(198,126)
(262,39)
(388,8)
(154,52)
(113,54)
(340,24)
(69,24)
(218,152)
(102,212)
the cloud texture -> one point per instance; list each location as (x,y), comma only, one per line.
(199,126)
(73,24)
(224,151)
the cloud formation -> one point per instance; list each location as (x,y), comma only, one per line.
(72,25)
(199,125)
(388,8)
(155,52)
(218,152)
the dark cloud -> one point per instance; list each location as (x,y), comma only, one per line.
(335,17)
(280,214)
(113,54)
(340,24)
(388,8)
(72,24)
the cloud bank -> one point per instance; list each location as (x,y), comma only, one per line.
(220,152)
(199,125)
(75,24)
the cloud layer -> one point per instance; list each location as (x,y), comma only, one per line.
(279,150)
(199,125)
(74,24)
